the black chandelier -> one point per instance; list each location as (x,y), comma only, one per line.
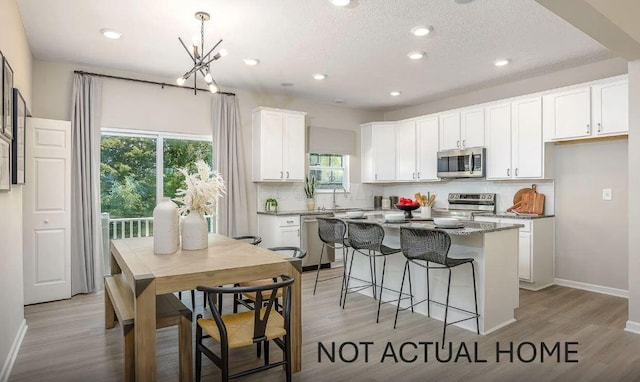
(201,61)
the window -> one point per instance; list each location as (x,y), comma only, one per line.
(130,183)
(330,171)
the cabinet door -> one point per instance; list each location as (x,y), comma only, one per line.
(524,256)
(472,127)
(289,236)
(571,114)
(366,153)
(450,131)
(384,149)
(427,139)
(527,156)
(406,151)
(271,145)
(498,122)
(610,108)
(294,147)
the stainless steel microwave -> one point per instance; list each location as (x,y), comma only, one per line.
(466,163)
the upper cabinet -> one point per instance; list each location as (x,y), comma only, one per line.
(498,121)
(278,145)
(417,149)
(589,111)
(378,151)
(461,129)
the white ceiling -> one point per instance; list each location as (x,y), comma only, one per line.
(362,48)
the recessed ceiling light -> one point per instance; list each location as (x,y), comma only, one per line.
(340,3)
(463,1)
(421,30)
(502,62)
(110,33)
(319,76)
(395,93)
(286,84)
(338,100)
(416,54)
(251,61)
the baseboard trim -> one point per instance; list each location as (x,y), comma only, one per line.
(497,327)
(592,288)
(13,352)
(632,327)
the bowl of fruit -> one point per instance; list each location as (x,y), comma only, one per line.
(407,205)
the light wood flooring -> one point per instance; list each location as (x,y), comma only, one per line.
(66,341)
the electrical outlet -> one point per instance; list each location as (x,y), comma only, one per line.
(606,194)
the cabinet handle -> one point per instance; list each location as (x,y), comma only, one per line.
(508,172)
(599,127)
(414,175)
(516,171)
(588,129)
(287,174)
(457,143)
(298,232)
(281,174)
(376,176)
(464,143)
(418,175)
(290,221)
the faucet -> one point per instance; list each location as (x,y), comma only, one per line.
(334,195)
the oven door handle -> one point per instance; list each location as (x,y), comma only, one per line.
(471,163)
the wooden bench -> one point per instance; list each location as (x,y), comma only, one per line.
(170,311)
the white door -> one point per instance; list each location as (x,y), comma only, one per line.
(384,141)
(571,114)
(406,151)
(527,138)
(46,211)
(450,131)
(271,145)
(427,138)
(472,127)
(524,256)
(498,122)
(610,108)
(294,146)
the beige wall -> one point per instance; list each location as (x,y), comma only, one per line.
(592,234)
(634,190)
(140,106)
(13,43)
(579,256)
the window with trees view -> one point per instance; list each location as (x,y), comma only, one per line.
(330,170)
(130,183)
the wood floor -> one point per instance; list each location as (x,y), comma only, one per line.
(66,341)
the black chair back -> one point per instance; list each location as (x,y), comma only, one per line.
(253,240)
(331,230)
(295,252)
(428,245)
(363,235)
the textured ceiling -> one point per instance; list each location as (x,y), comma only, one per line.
(362,48)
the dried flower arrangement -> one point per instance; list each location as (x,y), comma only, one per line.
(203,190)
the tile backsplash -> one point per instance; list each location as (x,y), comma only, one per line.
(291,196)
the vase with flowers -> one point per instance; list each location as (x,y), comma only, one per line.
(310,191)
(198,199)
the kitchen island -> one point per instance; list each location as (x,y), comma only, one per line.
(494,248)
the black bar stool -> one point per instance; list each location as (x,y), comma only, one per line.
(432,246)
(332,234)
(366,238)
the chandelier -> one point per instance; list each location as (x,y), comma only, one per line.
(201,61)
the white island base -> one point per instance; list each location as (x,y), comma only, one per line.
(495,255)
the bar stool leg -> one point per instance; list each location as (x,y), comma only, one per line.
(406,265)
(475,297)
(410,287)
(446,309)
(346,290)
(384,266)
(372,271)
(428,293)
(318,271)
(345,258)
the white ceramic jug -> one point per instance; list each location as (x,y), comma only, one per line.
(166,229)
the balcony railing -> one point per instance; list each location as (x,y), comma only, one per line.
(122,228)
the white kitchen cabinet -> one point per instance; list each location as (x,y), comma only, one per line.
(498,123)
(378,151)
(610,108)
(279,230)
(536,250)
(461,129)
(417,149)
(514,140)
(568,113)
(278,145)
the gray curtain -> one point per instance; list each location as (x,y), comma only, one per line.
(233,216)
(86,235)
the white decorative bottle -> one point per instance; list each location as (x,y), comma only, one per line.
(195,233)
(166,229)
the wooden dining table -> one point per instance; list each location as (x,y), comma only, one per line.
(225,261)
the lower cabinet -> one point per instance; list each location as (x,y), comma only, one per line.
(536,250)
(279,231)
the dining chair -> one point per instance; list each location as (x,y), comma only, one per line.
(236,330)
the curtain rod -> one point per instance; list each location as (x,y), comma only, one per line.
(144,81)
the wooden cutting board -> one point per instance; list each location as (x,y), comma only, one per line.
(531,203)
(518,196)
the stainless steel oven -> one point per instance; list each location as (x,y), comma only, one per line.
(467,163)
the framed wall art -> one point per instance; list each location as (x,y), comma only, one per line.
(20,114)
(7,98)
(5,164)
